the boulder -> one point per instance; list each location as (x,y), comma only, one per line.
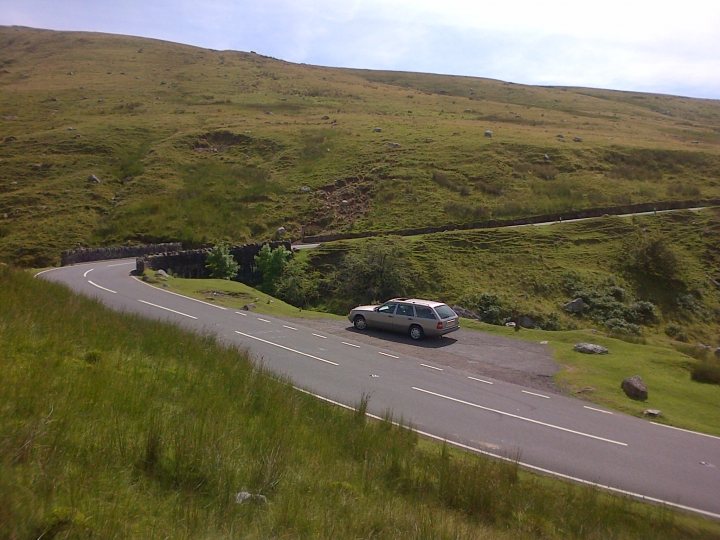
(590,348)
(575,306)
(249,307)
(634,388)
(377,130)
(526,321)
(654,413)
(488,133)
(94,179)
(466,313)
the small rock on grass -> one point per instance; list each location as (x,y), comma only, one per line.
(590,348)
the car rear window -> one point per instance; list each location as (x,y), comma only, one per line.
(424,312)
(445,312)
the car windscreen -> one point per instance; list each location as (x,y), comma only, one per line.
(445,312)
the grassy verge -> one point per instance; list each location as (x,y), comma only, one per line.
(684,403)
(236,295)
(133,428)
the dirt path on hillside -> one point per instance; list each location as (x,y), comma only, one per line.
(476,353)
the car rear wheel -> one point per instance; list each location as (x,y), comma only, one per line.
(416,332)
(359,322)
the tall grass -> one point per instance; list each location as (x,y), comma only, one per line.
(114,426)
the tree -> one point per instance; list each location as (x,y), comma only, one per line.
(295,285)
(653,256)
(271,263)
(221,263)
(377,270)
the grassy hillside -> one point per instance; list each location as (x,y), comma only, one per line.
(534,271)
(136,429)
(198,145)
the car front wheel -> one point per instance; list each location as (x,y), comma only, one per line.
(416,332)
(359,322)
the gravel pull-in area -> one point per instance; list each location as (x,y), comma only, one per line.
(477,353)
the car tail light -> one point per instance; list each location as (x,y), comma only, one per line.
(439,325)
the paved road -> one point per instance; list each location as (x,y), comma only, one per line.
(543,431)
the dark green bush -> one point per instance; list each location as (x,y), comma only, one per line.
(706,371)
(621,326)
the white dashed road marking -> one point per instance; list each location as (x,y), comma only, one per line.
(263,320)
(386,354)
(597,410)
(289,327)
(101,287)
(318,335)
(241,313)
(432,367)
(480,380)
(350,344)
(168,309)
(287,348)
(534,394)
(503,413)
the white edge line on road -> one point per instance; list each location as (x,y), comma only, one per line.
(46,270)
(289,327)
(101,287)
(521,463)
(388,354)
(241,313)
(180,295)
(318,335)
(350,344)
(553,426)
(287,348)
(432,367)
(261,319)
(168,309)
(534,394)
(119,264)
(597,410)
(480,380)
(687,430)
(87,272)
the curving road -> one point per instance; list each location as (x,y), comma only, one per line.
(545,432)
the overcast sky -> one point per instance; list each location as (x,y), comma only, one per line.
(663,46)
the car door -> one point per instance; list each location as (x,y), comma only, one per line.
(384,316)
(404,317)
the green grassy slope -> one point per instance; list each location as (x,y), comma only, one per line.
(135,429)
(198,145)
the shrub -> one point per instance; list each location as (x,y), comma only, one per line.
(488,306)
(621,326)
(651,255)
(643,312)
(676,332)
(221,263)
(706,371)
(271,263)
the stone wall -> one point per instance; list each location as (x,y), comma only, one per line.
(491,223)
(191,263)
(74,256)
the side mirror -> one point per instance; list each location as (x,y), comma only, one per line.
(376,308)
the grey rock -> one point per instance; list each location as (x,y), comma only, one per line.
(326,117)
(575,306)
(305,189)
(94,179)
(634,388)
(393,145)
(590,348)
(377,130)
(466,313)
(280,231)
(654,413)
(488,133)
(245,496)
(249,307)
(526,321)
(162,274)
(577,139)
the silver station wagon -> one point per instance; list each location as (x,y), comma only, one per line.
(412,316)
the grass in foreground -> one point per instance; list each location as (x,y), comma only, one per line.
(114,426)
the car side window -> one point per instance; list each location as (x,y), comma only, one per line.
(405,309)
(387,309)
(424,312)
